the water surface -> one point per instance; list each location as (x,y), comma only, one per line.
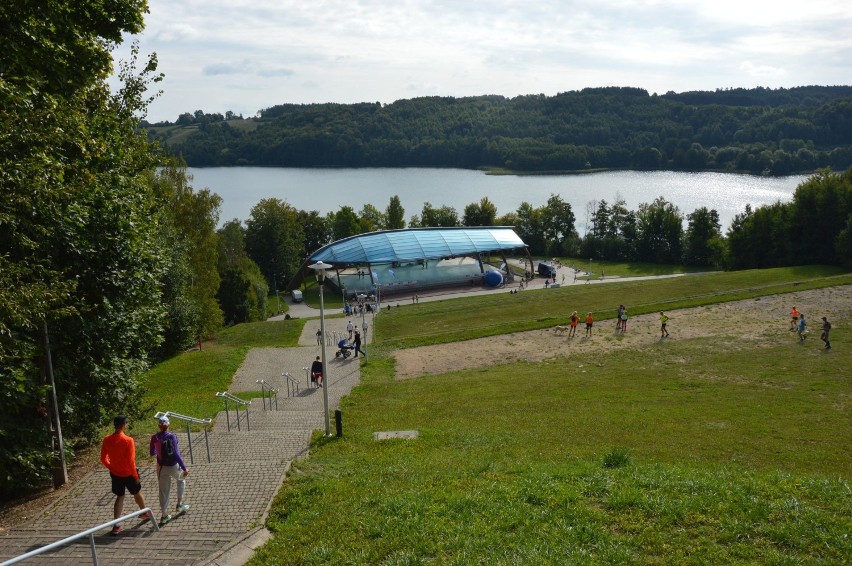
(326,190)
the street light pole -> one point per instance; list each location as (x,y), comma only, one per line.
(320,268)
(363,298)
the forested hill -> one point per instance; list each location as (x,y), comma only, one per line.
(766,131)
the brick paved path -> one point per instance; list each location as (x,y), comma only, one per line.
(230,496)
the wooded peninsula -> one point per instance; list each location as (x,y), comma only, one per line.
(759,131)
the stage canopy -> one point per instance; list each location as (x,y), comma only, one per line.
(414,245)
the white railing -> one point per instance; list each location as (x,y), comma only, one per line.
(237,403)
(89,533)
(267,389)
(292,385)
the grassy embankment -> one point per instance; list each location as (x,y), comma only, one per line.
(692,451)
(187,384)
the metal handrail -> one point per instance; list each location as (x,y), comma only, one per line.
(88,533)
(264,387)
(206,422)
(234,399)
(292,384)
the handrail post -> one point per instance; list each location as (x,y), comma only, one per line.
(207,442)
(94,552)
(189,441)
(227,414)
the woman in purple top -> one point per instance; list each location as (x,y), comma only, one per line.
(164,445)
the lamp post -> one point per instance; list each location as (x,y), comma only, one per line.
(275,290)
(363,300)
(320,269)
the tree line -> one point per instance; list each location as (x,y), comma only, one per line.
(759,131)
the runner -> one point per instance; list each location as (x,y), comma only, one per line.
(574,320)
(802,328)
(826,328)
(664,333)
(794,319)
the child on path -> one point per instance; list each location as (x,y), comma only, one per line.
(589,321)
(618,318)
(794,319)
(664,333)
(624,321)
(802,328)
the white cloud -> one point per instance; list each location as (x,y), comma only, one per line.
(384,50)
(762,71)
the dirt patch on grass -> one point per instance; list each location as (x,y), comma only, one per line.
(754,320)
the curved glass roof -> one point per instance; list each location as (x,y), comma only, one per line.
(418,243)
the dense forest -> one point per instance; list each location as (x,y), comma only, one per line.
(759,131)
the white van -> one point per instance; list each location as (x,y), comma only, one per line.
(297,295)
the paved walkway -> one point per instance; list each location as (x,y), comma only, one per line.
(230,495)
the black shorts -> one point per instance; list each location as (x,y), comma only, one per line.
(120,484)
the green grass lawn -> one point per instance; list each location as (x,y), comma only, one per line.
(621,269)
(701,451)
(722,455)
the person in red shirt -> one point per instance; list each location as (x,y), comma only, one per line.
(118,454)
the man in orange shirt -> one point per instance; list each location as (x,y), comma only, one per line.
(794,319)
(118,454)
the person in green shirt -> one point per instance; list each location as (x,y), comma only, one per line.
(664,333)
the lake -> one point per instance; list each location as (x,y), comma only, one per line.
(326,190)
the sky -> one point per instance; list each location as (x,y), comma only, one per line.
(247,55)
